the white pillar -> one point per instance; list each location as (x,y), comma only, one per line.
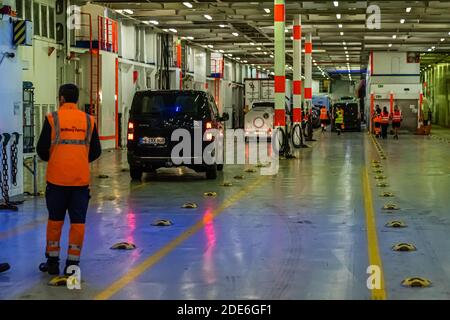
(280,71)
(308,72)
(297,77)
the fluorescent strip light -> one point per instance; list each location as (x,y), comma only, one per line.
(187,4)
(128,11)
(338,16)
(267,10)
(235,34)
(336,3)
(402,20)
(207,16)
(173,30)
(408,9)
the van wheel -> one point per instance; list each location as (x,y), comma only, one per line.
(135,173)
(220,167)
(211,172)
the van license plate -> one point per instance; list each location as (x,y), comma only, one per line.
(153,140)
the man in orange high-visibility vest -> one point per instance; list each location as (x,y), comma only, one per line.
(396,121)
(324,118)
(384,122)
(69,141)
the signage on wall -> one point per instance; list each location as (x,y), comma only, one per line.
(412,57)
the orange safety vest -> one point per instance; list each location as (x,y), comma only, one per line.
(377,118)
(323,114)
(397,116)
(69,152)
(384,117)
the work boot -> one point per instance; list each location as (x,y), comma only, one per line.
(51,266)
(68,264)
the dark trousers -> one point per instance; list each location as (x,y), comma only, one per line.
(74,200)
(384,130)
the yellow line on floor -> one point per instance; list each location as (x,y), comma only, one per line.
(372,238)
(152,260)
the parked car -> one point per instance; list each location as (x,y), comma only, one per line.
(154,115)
(260,119)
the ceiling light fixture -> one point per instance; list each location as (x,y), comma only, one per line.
(340,25)
(222,25)
(154,22)
(128,11)
(408,9)
(173,30)
(259,48)
(336,3)
(442,39)
(390,45)
(188,4)
(402,20)
(190,38)
(341,33)
(394,36)
(235,34)
(207,16)
(338,16)
(267,10)
(210,46)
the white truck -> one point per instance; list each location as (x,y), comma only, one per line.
(260,106)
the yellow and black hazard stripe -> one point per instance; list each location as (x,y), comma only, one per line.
(20,32)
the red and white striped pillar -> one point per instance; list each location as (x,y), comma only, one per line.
(297,77)
(280,71)
(391,102)
(308,73)
(179,63)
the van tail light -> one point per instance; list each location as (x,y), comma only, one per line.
(130,135)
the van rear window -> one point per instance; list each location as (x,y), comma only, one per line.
(169,104)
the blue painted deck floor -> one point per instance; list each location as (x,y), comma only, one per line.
(298,235)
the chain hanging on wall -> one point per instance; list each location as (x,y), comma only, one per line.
(14,158)
(4,185)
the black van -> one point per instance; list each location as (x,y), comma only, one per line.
(352,114)
(155,115)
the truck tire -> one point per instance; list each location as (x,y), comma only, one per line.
(136,173)
(211,172)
